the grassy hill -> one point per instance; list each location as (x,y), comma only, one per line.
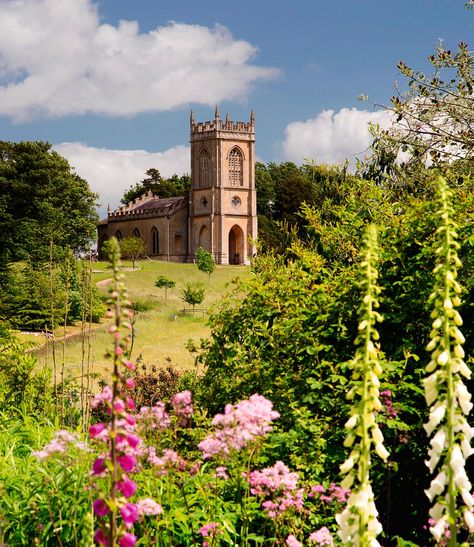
(161,329)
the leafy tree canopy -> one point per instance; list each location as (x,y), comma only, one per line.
(433,125)
(162,187)
(132,247)
(205,262)
(42,199)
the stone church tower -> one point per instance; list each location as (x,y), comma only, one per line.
(222,201)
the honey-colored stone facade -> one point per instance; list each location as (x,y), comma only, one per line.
(221,212)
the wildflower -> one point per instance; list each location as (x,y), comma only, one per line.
(100,537)
(96,429)
(449,398)
(221,473)
(129,514)
(278,484)
(321,537)
(155,417)
(358,524)
(127,487)
(127,462)
(238,426)
(147,506)
(291,541)
(60,444)
(99,466)
(127,540)
(183,406)
(209,529)
(100,507)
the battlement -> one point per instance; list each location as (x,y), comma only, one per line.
(222,125)
(148,205)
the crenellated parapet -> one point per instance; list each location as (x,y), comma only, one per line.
(146,206)
(219,126)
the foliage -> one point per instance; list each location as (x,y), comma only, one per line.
(30,295)
(433,125)
(192,294)
(288,334)
(22,386)
(164,282)
(41,199)
(284,189)
(132,247)
(205,262)
(44,501)
(162,187)
(154,383)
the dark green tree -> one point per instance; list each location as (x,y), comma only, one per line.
(205,262)
(42,199)
(162,187)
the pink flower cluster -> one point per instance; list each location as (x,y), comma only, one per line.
(147,506)
(278,484)
(170,460)
(154,417)
(386,397)
(291,541)
(238,426)
(331,494)
(183,407)
(321,537)
(210,530)
(60,444)
(127,446)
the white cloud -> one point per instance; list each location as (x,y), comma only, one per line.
(111,172)
(57,59)
(332,137)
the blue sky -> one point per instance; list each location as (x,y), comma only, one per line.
(110,83)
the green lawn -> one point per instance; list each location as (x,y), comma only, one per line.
(162,331)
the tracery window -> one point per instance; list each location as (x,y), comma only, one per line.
(235,162)
(136,232)
(204,169)
(118,235)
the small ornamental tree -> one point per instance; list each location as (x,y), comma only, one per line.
(163,282)
(133,248)
(205,262)
(192,294)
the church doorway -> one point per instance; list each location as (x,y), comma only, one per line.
(236,245)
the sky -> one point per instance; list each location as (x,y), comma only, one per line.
(110,83)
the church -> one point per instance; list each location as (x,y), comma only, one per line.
(220,213)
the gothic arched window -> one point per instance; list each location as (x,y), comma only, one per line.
(155,241)
(204,169)
(118,235)
(235,162)
(136,232)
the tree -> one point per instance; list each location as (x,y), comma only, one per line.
(154,182)
(163,282)
(433,127)
(42,199)
(192,294)
(205,262)
(265,187)
(132,247)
